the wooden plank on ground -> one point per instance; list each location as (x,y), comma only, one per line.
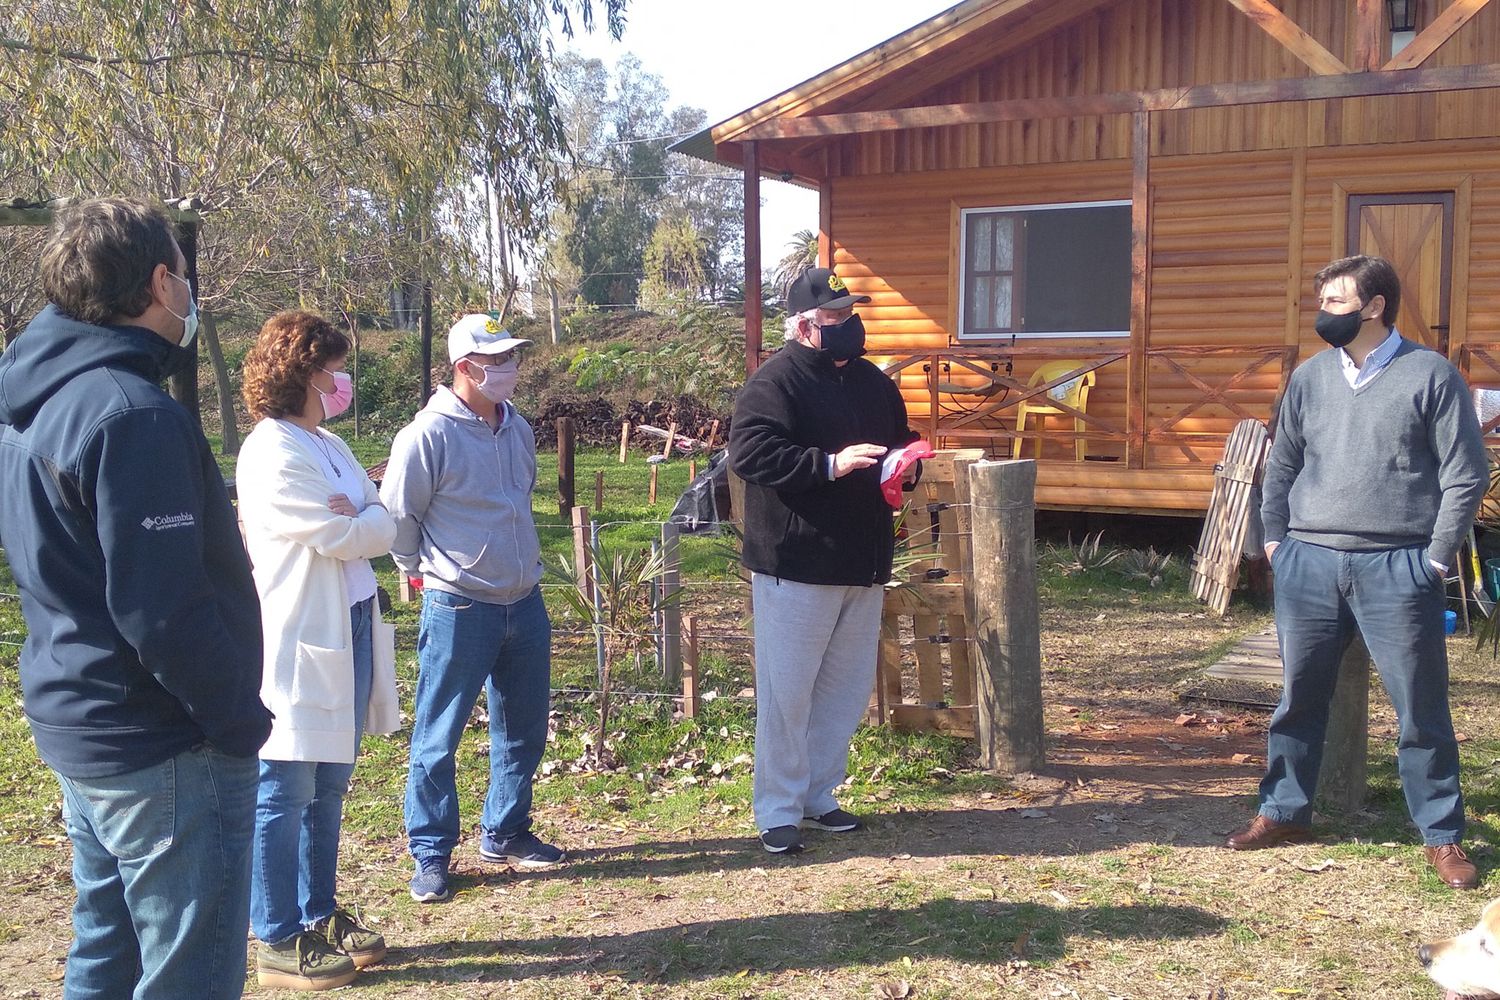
(1256,659)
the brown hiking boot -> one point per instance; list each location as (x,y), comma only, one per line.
(1263,832)
(1453,866)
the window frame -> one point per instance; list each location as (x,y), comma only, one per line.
(1018,271)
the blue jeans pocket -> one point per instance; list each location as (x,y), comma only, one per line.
(133,815)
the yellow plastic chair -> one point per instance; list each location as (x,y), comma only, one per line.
(1074,392)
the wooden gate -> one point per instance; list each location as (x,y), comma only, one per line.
(918,684)
(1216,565)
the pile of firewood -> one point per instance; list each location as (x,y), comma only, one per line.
(597,423)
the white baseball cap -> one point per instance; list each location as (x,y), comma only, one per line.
(480,333)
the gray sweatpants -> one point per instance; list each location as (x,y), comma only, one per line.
(815,650)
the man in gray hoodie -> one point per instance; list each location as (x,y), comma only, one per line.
(459,486)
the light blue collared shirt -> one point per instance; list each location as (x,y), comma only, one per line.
(1374,364)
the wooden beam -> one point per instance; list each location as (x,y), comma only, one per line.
(825,224)
(1291,36)
(1369,36)
(752,258)
(1140,293)
(1454,16)
(1479,76)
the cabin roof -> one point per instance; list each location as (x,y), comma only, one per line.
(893,72)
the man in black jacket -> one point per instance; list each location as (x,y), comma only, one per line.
(809,431)
(141,670)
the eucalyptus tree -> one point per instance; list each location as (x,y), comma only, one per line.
(328,140)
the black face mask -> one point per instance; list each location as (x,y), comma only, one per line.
(1339,329)
(845,340)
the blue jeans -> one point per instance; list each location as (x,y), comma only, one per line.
(161,863)
(1395,598)
(297,818)
(463,646)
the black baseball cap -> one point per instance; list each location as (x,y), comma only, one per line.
(819,288)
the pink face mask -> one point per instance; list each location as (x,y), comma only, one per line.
(338,400)
(499,380)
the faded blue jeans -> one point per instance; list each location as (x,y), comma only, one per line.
(465,646)
(161,863)
(1395,598)
(298,814)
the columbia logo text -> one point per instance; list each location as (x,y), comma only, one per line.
(166,522)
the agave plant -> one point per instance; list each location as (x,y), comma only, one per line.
(1085,557)
(1150,565)
(626,581)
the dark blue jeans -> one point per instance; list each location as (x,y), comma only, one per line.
(465,646)
(161,862)
(1395,598)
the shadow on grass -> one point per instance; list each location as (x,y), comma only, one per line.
(1060,831)
(979,932)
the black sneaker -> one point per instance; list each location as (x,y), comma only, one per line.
(836,821)
(781,840)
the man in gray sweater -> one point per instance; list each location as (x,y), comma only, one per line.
(459,486)
(1375,475)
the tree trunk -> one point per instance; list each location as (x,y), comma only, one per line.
(209,325)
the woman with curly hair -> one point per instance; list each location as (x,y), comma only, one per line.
(312,522)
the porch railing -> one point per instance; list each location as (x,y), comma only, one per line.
(957,415)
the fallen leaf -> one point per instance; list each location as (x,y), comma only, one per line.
(1187,718)
(1321,866)
(1243,758)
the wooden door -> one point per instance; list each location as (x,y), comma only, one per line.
(1415,233)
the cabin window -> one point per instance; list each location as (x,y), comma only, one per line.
(1045,271)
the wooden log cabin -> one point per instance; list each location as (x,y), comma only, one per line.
(1135,194)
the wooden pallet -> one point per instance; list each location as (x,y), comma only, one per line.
(1216,565)
(925,676)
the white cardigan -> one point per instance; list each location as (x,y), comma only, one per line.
(297,548)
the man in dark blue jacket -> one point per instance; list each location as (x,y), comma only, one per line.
(142,664)
(810,428)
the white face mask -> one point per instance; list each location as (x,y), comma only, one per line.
(499,380)
(190,321)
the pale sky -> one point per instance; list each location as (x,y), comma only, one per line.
(728,55)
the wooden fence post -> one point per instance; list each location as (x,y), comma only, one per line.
(713,437)
(1343,778)
(598,491)
(583,560)
(565,491)
(666,451)
(651,496)
(691,703)
(671,603)
(1007,622)
(624,440)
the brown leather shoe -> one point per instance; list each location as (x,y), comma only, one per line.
(1453,866)
(1263,832)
